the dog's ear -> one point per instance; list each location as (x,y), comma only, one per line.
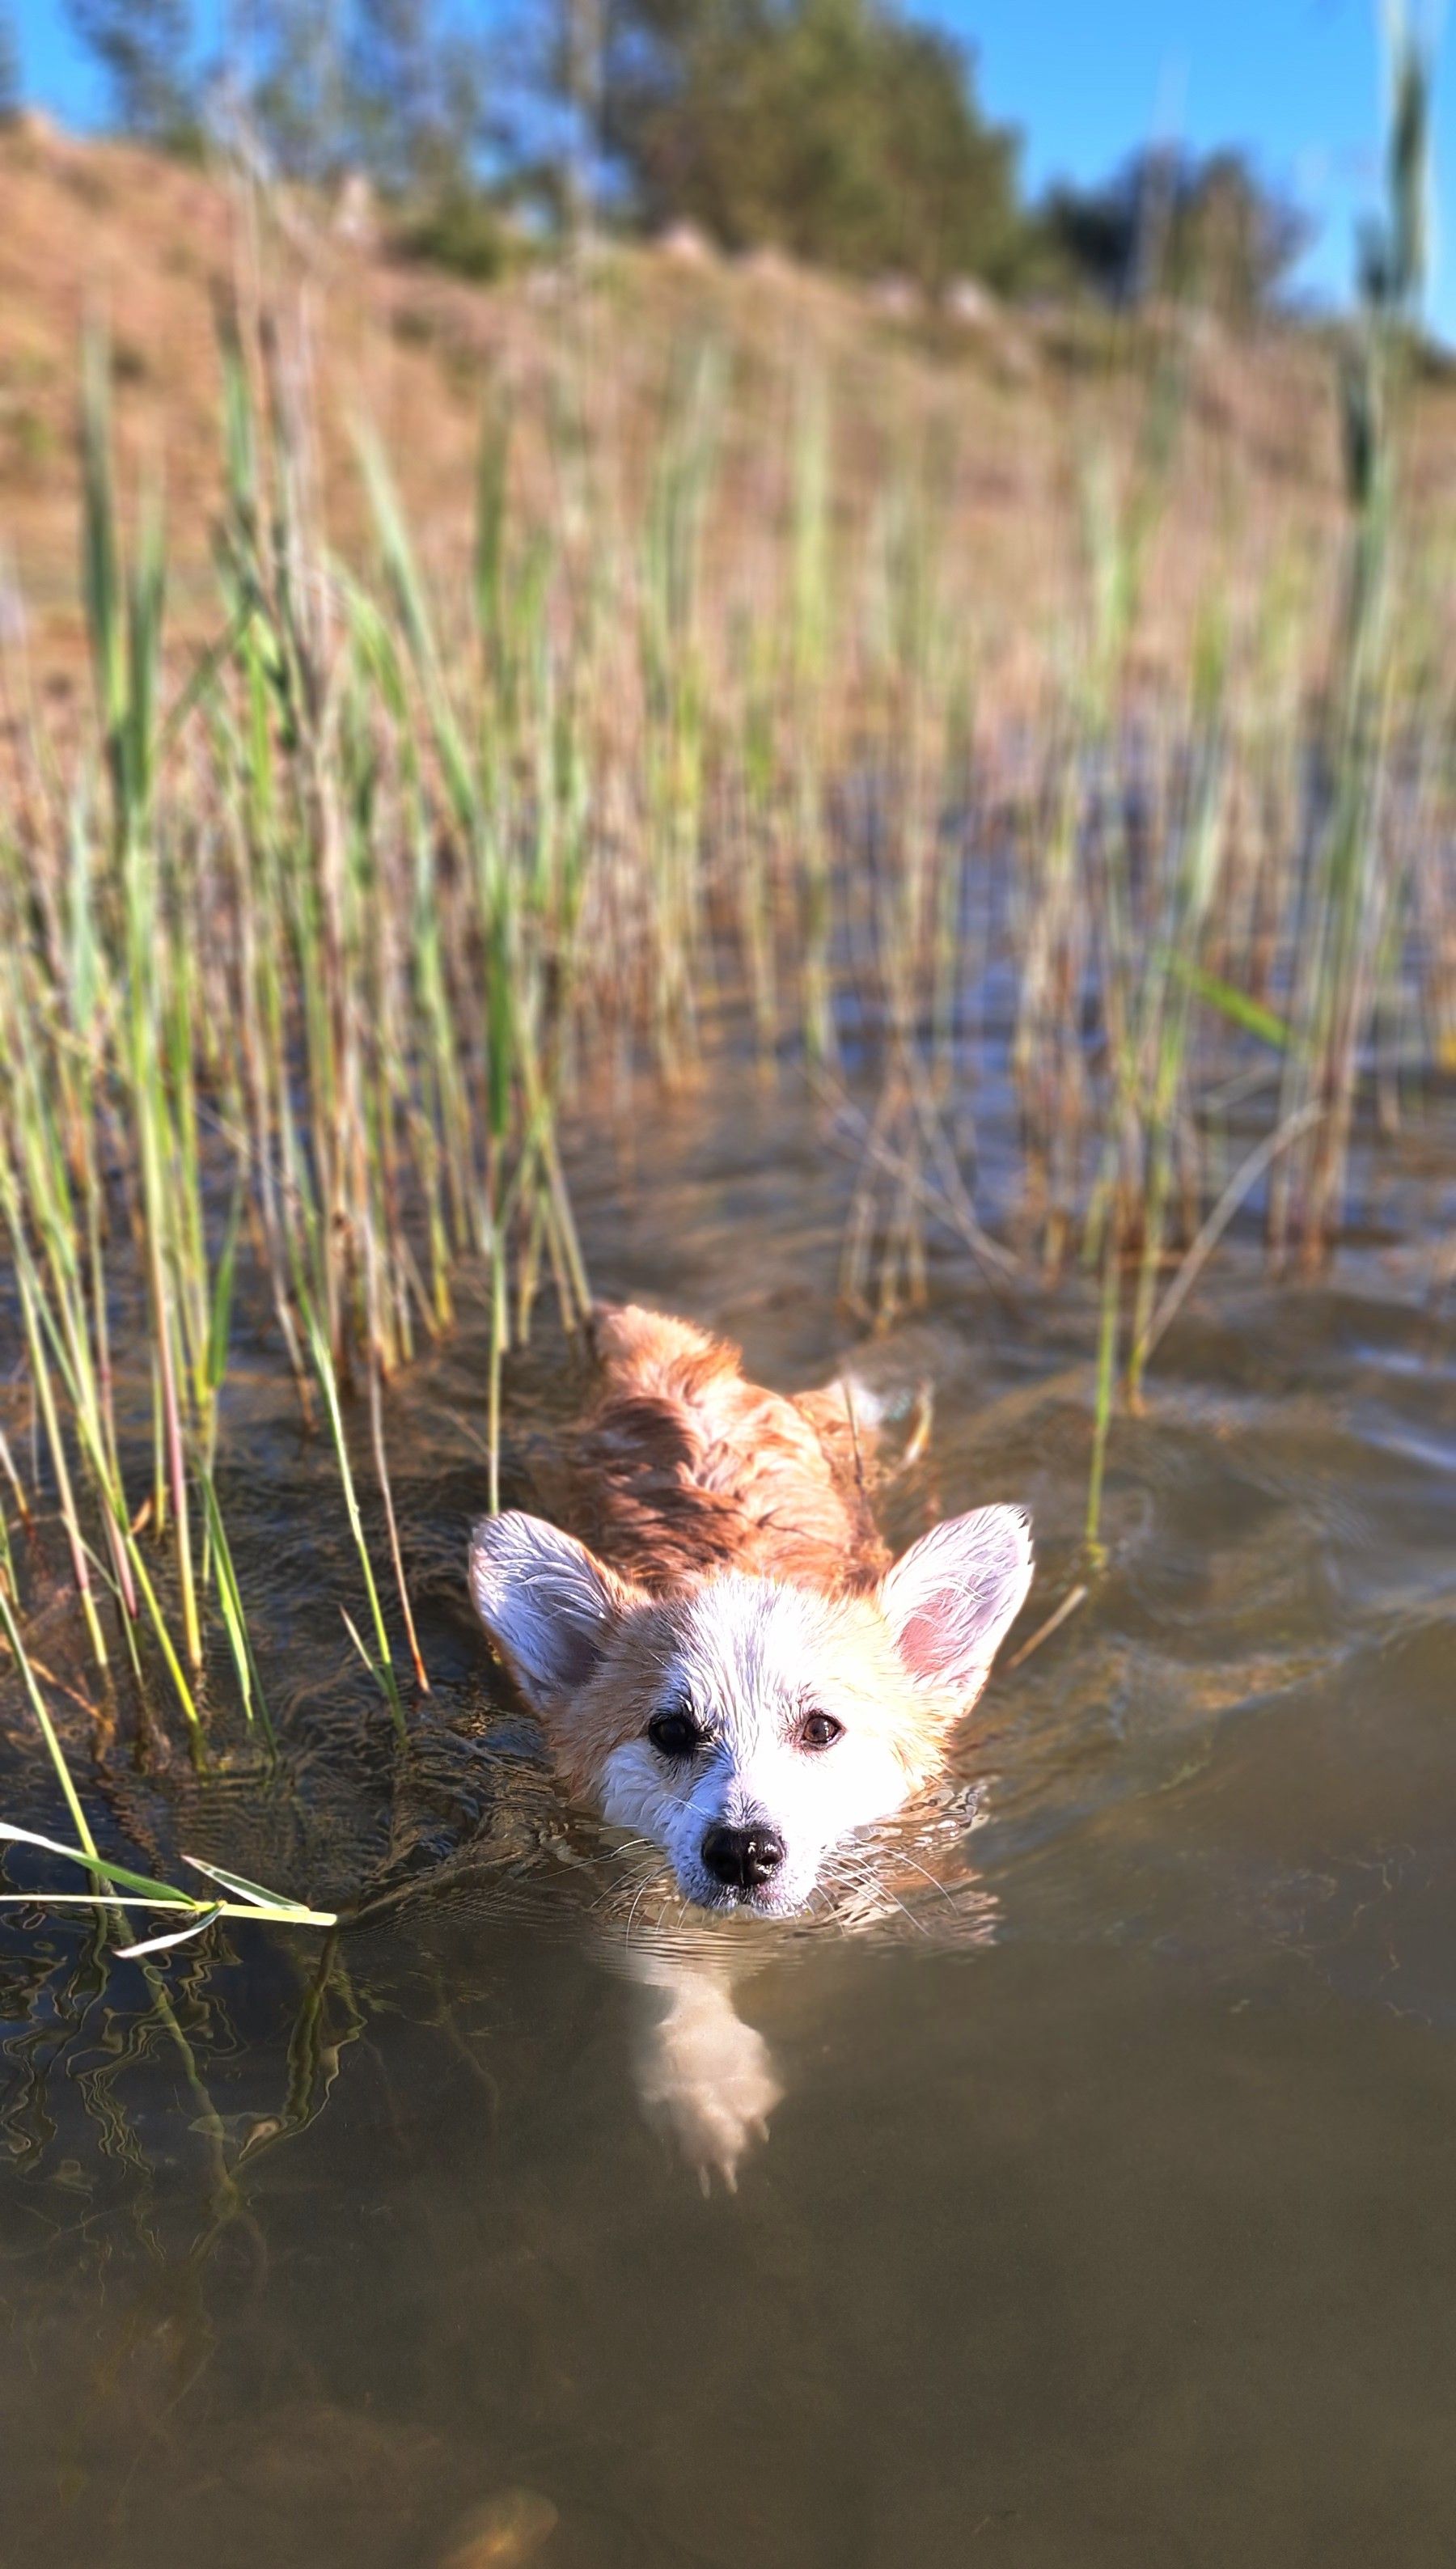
(952,1598)
(549,1605)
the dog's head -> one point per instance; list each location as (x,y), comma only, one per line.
(745,1726)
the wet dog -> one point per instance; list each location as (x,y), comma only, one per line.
(723,1658)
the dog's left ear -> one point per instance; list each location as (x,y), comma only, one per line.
(952,1598)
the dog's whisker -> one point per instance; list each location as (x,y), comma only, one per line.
(902,1857)
(859,1877)
(831,1910)
(632,1914)
(908,1915)
(641,1879)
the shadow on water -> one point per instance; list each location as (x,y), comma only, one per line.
(1106,2213)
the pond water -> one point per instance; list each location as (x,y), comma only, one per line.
(1107,2213)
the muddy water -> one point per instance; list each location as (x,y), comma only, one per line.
(1107,2217)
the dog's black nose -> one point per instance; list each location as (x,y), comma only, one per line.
(740,1858)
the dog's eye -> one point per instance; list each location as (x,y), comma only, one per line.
(675,1734)
(820,1730)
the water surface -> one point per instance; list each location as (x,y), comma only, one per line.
(1107,2215)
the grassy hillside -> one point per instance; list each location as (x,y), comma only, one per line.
(1009,417)
(1019,728)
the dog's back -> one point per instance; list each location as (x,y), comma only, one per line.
(683,1467)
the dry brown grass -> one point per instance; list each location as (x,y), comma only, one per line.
(153,246)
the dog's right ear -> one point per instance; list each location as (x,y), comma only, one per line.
(549,1605)
(952,1598)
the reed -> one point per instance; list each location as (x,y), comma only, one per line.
(118,1887)
(314,943)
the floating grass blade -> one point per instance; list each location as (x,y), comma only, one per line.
(125,1888)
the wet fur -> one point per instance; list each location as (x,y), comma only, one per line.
(725,1533)
(726,1558)
(682,1466)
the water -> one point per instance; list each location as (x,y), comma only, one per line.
(1106,2214)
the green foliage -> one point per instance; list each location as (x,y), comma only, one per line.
(293,79)
(1207,231)
(390,86)
(415,97)
(832,128)
(460,230)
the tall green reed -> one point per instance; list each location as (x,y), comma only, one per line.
(327,938)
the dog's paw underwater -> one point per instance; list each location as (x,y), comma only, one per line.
(731,1668)
(707,2077)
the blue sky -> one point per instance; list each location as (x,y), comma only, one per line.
(1298,82)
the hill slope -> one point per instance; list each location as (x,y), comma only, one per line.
(1010,408)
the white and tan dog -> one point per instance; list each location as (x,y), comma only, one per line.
(728,1666)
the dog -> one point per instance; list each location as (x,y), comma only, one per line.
(725,1661)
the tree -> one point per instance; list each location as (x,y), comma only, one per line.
(415,97)
(11,84)
(292,80)
(834,129)
(383,86)
(1207,231)
(145,50)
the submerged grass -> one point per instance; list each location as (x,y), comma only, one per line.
(308,951)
